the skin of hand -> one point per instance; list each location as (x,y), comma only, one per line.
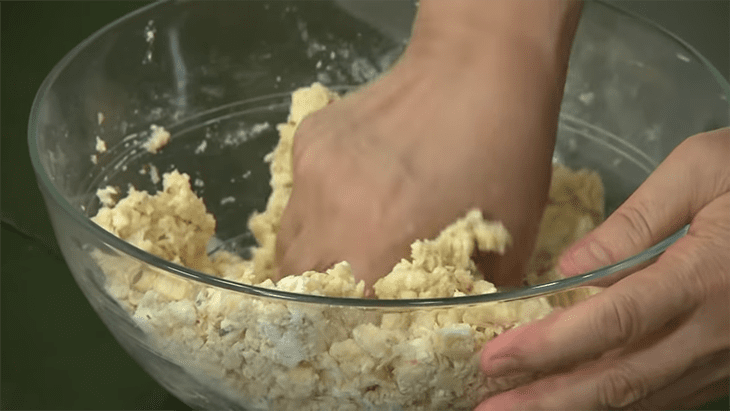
(658,338)
(465,119)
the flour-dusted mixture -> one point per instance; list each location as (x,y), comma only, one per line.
(269,354)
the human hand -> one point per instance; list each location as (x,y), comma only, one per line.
(456,124)
(410,154)
(660,337)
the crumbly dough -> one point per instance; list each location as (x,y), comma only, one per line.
(100,145)
(159,137)
(107,196)
(273,354)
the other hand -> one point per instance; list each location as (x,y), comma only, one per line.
(660,337)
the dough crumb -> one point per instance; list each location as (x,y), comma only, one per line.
(154,174)
(100,145)
(201,148)
(159,137)
(107,196)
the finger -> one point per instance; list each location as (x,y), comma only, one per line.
(290,226)
(508,269)
(501,270)
(699,385)
(663,204)
(620,315)
(624,378)
(300,257)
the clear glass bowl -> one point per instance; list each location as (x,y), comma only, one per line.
(220,74)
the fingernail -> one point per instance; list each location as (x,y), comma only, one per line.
(590,257)
(512,380)
(501,366)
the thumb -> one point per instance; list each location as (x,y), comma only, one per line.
(663,204)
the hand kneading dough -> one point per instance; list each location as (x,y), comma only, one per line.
(268,354)
(438,268)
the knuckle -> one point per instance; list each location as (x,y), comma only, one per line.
(308,133)
(618,320)
(716,141)
(309,160)
(621,386)
(713,148)
(639,232)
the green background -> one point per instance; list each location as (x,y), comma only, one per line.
(56,353)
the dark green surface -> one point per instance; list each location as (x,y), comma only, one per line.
(56,353)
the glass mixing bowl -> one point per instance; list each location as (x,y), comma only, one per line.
(218,76)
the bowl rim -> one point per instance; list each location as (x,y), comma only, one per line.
(602,276)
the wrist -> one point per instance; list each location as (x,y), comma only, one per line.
(472,31)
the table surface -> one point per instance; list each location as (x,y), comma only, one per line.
(55,352)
